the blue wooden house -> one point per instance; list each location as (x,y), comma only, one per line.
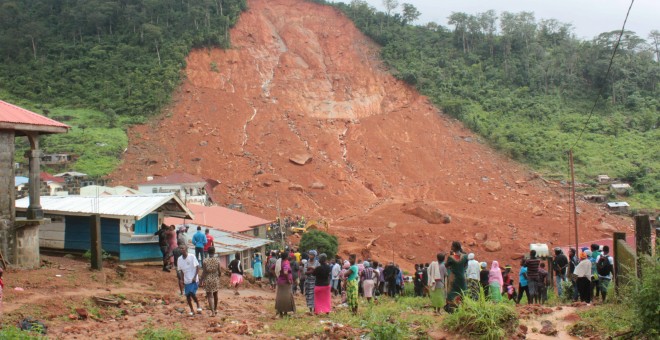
(128,223)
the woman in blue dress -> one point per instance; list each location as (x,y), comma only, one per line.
(257,268)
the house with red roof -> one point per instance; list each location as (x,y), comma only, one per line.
(19,238)
(189,188)
(225,219)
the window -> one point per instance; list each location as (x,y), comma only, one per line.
(147,225)
(154,190)
(256,231)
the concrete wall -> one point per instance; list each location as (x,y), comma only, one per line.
(27,246)
(7,209)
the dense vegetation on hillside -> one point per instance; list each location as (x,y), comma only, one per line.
(99,65)
(528,86)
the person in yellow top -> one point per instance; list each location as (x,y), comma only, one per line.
(297,255)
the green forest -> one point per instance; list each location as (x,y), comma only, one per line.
(526,85)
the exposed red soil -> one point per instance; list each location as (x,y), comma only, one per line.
(301,79)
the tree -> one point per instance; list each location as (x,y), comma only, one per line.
(654,36)
(390,5)
(319,241)
(410,13)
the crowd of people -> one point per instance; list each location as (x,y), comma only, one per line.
(446,281)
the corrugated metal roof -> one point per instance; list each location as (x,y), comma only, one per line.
(13,114)
(19,180)
(228,242)
(133,206)
(221,218)
(617,204)
(175,178)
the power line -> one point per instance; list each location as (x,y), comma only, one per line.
(607,75)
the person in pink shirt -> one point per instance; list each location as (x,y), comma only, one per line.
(209,242)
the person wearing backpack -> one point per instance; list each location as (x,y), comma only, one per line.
(604,267)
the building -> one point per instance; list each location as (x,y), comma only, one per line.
(51,185)
(228,244)
(56,159)
(620,188)
(19,238)
(225,219)
(128,223)
(189,188)
(603,178)
(618,207)
(100,190)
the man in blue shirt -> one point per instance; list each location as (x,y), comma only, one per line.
(199,240)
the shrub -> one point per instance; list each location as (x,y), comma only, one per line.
(482,319)
(321,241)
(11,332)
(645,298)
(151,333)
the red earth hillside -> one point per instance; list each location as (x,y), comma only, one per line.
(300,81)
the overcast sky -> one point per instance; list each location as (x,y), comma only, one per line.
(588,17)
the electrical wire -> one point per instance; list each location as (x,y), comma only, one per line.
(607,75)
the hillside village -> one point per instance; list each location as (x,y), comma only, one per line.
(298,129)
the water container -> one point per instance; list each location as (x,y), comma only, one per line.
(541,249)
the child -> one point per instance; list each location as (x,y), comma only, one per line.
(2,286)
(542,283)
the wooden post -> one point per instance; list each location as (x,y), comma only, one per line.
(575,220)
(96,248)
(642,239)
(615,245)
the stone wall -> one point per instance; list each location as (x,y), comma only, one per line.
(27,245)
(7,209)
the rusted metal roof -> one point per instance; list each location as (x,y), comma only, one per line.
(131,206)
(227,242)
(175,178)
(220,218)
(17,118)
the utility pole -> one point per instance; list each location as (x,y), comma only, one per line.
(279,217)
(575,220)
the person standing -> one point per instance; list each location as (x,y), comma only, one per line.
(310,279)
(417,280)
(605,267)
(210,280)
(270,269)
(495,281)
(170,234)
(295,273)
(322,294)
(437,275)
(162,243)
(188,267)
(390,279)
(559,266)
(533,264)
(472,274)
(236,268)
(2,287)
(573,262)
(257,267)
(209,242)
(522,283)
(483,278)
(456,263)
(542,284)
(336,268)
(583,277)
(352,285)
(199,241)
(595,255)
(368,284)
(284,302)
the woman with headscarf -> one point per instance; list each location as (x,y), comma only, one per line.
(257,268)
(342,277)
(322,291)
(472,274)
(367,278)
(352,285)
(456,263)
(483,278)
(495,282)
(284,302)
(583,274)
(437,276)
(310,279)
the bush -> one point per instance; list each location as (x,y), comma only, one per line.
(321,242)
(151,333)
(482,319)
(645,298)
(11,332)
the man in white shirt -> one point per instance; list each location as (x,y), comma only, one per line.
(188,275)
(336,268)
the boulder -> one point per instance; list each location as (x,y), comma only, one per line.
(301,159)
(548,328)
(426,212)
(391,225)
(481,236)
(203,143)
(296,187)
(317,185)
(492,246)
(605,227)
